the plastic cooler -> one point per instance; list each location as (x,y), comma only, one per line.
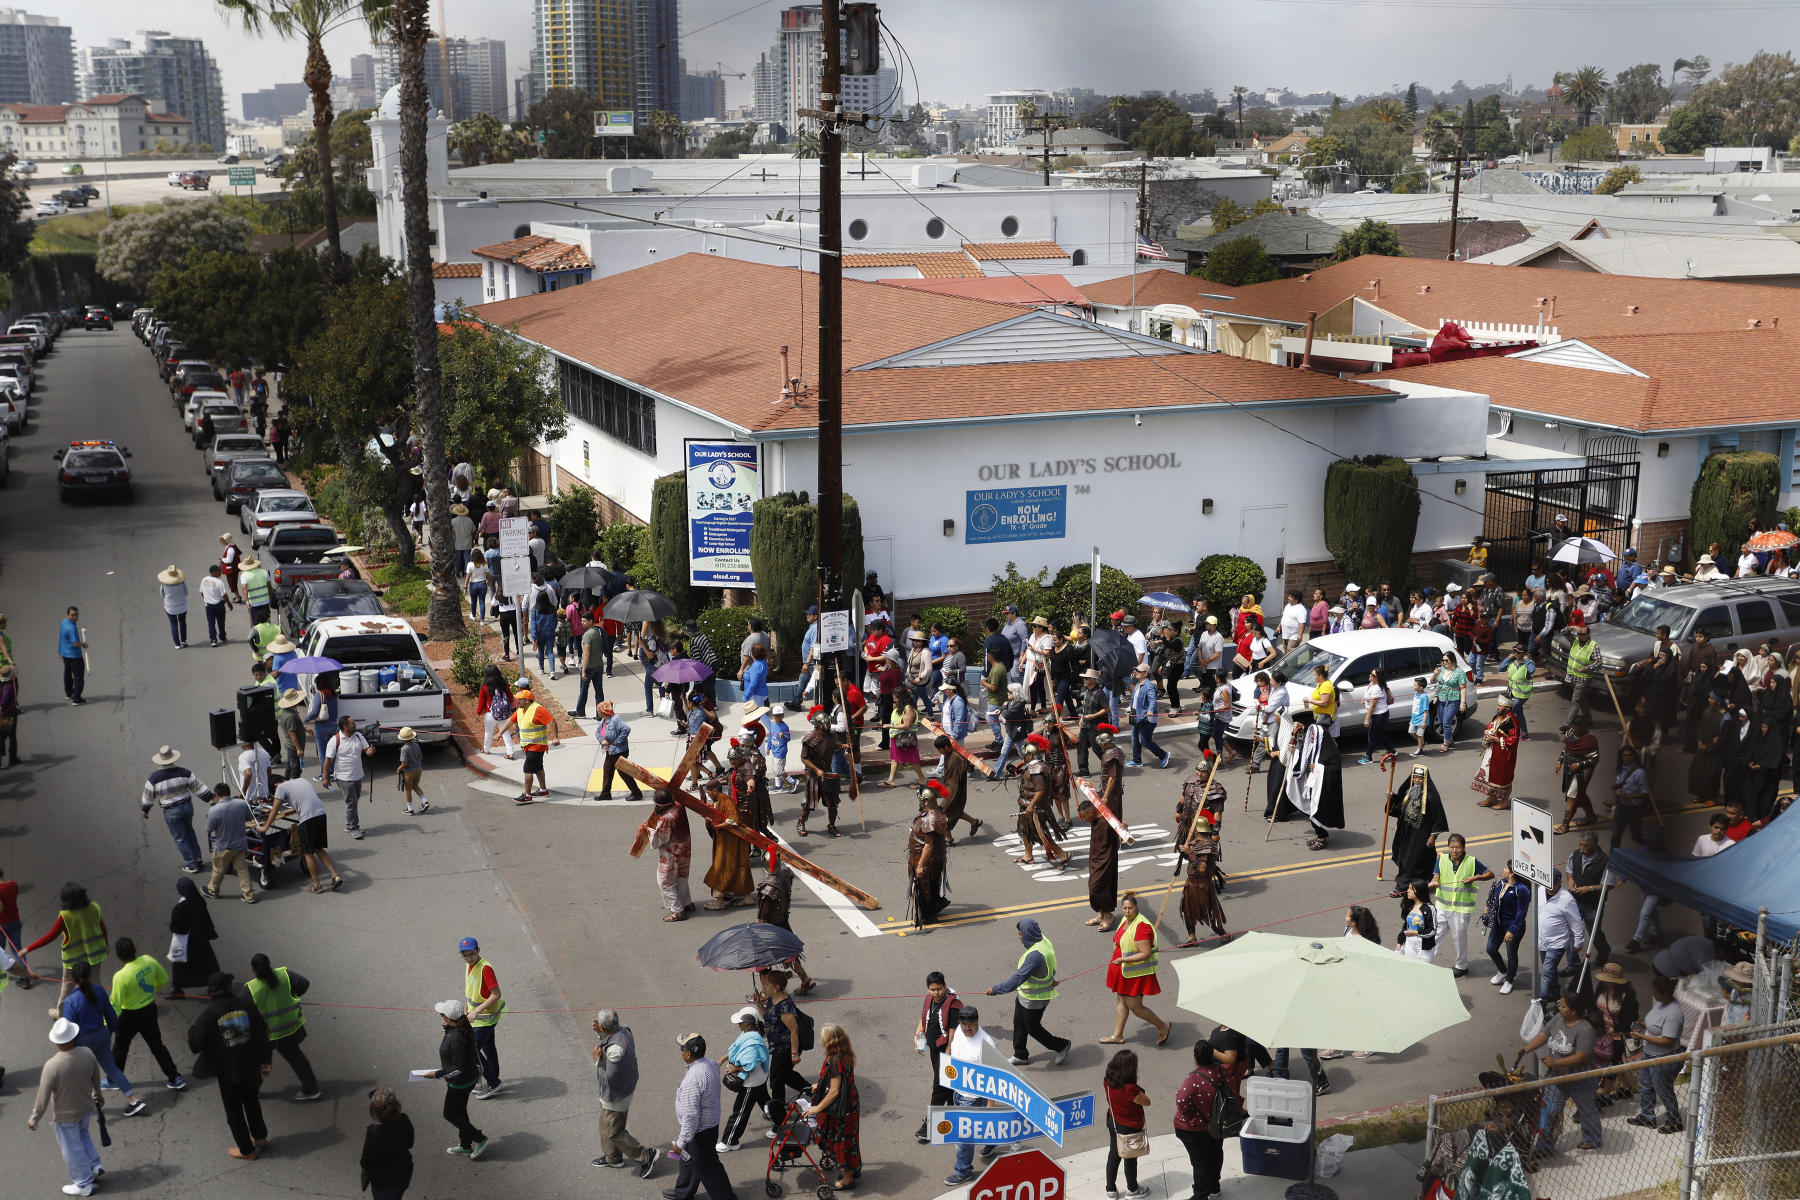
(1278,1126)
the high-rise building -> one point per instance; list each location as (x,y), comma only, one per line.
(484,64)
(1003,123)
(586,45)
(787,77)
(702,96)
(655,57)
(362,72)
(176,70)
(37,59)
(274,103)
(767,103)
(528,88)
(477,75)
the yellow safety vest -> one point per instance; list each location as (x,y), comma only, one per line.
(84,936)
(256,586)
(534,729)
(1040,987)
(1128,944)
(1456,889)
(281,1012)
(472,995)
(1581,658)
(1518,678)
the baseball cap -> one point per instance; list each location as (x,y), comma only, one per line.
(745,1013)
(693,1043)
(466,945)
(454,1009)
(1011,608)
(812,610)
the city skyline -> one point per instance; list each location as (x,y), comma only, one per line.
(1060,45)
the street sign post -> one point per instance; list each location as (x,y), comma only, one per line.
(515,556)
(1027,1175)
(834,631)
(996,1083)
(1534,843)
(241,176)
(950,1126)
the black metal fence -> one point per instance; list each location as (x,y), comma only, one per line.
(1598,498)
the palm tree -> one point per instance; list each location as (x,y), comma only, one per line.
(1116,105)
(668,130)
(312,20)
(1387,111)
(1238,93)
(806,144)
(1584,90)
(410,27)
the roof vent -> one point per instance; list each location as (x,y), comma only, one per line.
(1754,324)
(1424,289)
(1631,310)
(1375,286)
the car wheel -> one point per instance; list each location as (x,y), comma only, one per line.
(215,491)
(231,507)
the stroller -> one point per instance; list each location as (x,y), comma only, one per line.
(796,1139)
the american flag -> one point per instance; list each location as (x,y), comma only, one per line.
(1149,249)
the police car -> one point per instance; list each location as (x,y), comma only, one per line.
(92,467)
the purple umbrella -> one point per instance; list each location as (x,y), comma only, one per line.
(682,670)
(311,665)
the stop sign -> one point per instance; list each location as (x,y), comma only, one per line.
(1027,1175)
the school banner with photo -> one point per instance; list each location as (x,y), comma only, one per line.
(724,482)
(1017,514)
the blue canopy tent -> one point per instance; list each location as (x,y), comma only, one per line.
(1732,885)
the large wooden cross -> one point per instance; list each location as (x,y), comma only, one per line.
(718,820)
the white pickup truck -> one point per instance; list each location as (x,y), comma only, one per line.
(385,684)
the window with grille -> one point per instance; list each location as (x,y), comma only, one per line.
(618,410)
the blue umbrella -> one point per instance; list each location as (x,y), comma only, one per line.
(1168,600)
(750,948)
(311,665)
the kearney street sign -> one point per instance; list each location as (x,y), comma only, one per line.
(1000,1126)
(995,1083)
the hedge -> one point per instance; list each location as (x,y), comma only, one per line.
(954,620)
(1733,487)
(574,517)
(669,540)
(1371,517)
(1030,593)
(1069,592)
(1223,579)
(726,628)
(784,555)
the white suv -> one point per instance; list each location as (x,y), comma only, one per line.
(1400,654)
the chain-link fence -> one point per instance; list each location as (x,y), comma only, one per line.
(1733,1136)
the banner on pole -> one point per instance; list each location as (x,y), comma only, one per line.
(724,481)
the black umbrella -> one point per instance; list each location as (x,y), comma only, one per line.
(1112,655)
(589,579)
(750,947)
(639,605)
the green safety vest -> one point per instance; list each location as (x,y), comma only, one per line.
(281,1012)
(84,936)
(472,995)
(1456,889)
(256,586)
(1040,987)
(1518,675)
(1128,945)
(266,633)
(1581,658)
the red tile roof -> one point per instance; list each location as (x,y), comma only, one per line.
(167,117)
(1587,304)
(1027,290)
(446,270)
(1006,251)
(1153,287)
(952,264)
(733,317)
(40,114)
(1691,381)
(537,253)
(112,98)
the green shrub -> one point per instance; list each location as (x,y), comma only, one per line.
(408,588)
(726,628)
(669,541)
(624,542)
(469,659)
(956,621)
(333,501)
(1117,591)
(1732,488)
(574,518)
(784,557)
(1028,592)
(1371,517)
(1223,579)
(853,545)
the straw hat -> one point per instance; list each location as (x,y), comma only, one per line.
(459,510)
(225,538)
(754,710)
(1742,974)
(282,645)
(171,575)
(165,755)
(406,733)
(1668,570)
(1705,560)
(1610,973)
(1092,674)
(946,686)
(416,470)
(250,563)
(1040,620)
(7,671)
(292,698)
(1504,702)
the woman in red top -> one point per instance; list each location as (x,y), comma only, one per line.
(1193,1111)
(1125,1105)
(1134,948)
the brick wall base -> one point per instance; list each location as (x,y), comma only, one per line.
(1657,543)
(611,511)
(1328,575)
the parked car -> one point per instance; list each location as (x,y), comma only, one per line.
(296,553)
(242,478)
(385,683)
(39,337)
(226,447)
(218,416)
(186,383)
(15,372)
(1512,160)
(50,206)
(97,317)
(1733,612)
(1400,654)
(125,308)
(272,507)
(90,468)
(15,411)
(198,399)
(320,599)
(174,359)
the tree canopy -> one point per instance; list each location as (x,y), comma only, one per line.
(1371,237)
(1757,103)
(499,397)
(1171,135)
(1617,178)
(1637,95)
(482,138)
(1595,143)
(136,246)
(235,306)
(1238,262)
(15,230)
(1692,128)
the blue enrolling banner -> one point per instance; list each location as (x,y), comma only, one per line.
(724,480)
(1017,514)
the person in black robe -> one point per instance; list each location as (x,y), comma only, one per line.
(1321,802)
(1736,743)
(1715,744)
(1660,680)
(1762,753)
(1103,866)
(1418,817)
(191,919)
(956,790)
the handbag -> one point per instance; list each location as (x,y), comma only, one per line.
(1243,664)
(906,739)
(178,947)
(665,707)
(1132,1143)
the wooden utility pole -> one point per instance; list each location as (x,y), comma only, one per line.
(1143,213)
(1456,190)
(1045,123)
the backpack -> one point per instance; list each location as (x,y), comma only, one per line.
(803,1029)
(544,605)
(1227,1117)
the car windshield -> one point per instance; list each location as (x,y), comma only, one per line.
(365,605)
(1299,662)
(259,475)
(76,460)
(285,504)
(231,445)
(1648,610)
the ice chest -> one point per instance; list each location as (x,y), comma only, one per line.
(1277,1133)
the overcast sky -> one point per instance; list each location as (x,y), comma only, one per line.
(961,50)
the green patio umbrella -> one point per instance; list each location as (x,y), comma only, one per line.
(1296,991)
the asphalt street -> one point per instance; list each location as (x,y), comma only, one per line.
(569,920)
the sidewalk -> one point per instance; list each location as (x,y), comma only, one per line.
(1383,1173)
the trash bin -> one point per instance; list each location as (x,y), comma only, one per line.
(1278,1126)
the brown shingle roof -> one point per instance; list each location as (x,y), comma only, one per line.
(953,264)
(1587,305)
(444,270)
(1153,288)
(1692,381)
(1006,251)
(1431,239)
(535,252)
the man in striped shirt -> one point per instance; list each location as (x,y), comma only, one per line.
(697,1108)
(172,789)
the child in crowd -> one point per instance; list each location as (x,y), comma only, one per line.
(776,751)
(1421,715)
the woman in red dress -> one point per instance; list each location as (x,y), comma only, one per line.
(837,1106)
(1499,757)
(1132,973)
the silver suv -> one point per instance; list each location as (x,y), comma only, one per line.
(1733,612)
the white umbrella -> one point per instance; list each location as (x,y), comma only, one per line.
(1583,550)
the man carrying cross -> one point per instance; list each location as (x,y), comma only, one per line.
(817,751)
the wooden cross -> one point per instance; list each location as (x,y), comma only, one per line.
(759,842)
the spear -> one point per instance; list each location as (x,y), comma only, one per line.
(1624,735)
(850,736)
(1381,862)
(1193,826)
